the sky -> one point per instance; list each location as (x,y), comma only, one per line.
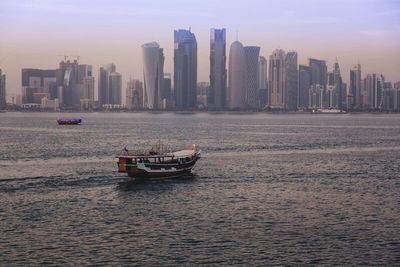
(37,33)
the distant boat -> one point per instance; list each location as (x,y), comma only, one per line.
(158,162)
(69,121)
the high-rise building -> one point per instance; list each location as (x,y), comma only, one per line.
(185,69)
(291,80)
(67,76)
(75,85)
(203,92)
(276,75)
(153,74)
(318,71)
(262,81)
(252,54)
(168,101)
(338,83)
(316,96)
(3,102)
(373,84)
(217,96)
(115,88)
(134,94)
(40,82)
(237,76)
(304,86)
(103,83)
(355,87)
(86,86)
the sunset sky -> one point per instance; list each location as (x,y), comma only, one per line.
(34,33)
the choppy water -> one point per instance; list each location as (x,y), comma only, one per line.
(269,190)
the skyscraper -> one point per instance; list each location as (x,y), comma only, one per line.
(72,80)
(251,96)
(185,69)
(262,81)
(318,71)
(39,83)
(291,80)
(2,91)
(217,97)
(374,91)
(134,94)
(168,101)
(237,76)
(86,86)
(338,83)
(276,88)
(103,83)
(153,74)
(115,88)
(355,86)
(304,86)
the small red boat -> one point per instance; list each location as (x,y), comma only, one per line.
(69,121)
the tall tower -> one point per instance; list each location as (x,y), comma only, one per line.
(262,81)
(318,71)
(374,89)
(237,76)
(103,83)
(115,88)
(277,81)
(251,97)
(153,74)
(355,86)
(304,86)
(185,69)
(291,80)
(217,97)
(338,83)
(2,91)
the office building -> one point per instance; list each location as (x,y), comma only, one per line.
(355,87)
(37,81)
(3,102)
(185,69)
(276,75)
(134,94)
(338,83)
(203,94)
(237,76)
(318,71)
(153,75)
(373,85)
(304,86)
(115,88)
(217,96)
(291,81)
(252,54)
(168,100)
(103,83)
(262,82)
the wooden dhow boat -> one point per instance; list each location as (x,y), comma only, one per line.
(69,121)
(159,162)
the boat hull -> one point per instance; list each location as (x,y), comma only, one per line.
(156,170)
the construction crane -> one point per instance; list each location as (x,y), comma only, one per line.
(64,56)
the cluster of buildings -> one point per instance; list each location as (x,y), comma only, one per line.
(251,82)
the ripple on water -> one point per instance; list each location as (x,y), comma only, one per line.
(269,190)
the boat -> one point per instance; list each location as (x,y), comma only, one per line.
(69,121)
(159,162)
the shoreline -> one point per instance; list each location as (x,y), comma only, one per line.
(192,112)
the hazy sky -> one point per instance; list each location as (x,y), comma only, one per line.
(34,33)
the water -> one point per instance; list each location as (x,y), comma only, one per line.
(269,190)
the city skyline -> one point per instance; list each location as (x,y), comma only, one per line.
(363,32)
